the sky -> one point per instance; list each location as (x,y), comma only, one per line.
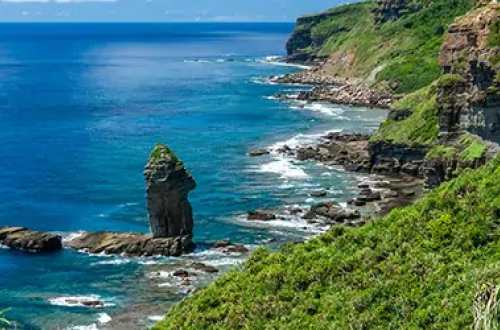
(160,10)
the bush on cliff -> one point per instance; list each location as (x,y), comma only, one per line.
(432,265)
(421,127)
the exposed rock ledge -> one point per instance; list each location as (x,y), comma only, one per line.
(327,88)
(131,244)
(20,238)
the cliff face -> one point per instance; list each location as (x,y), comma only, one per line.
(471,51)
(387,10)
(167,185)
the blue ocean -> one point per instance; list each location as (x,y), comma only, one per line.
(81,107)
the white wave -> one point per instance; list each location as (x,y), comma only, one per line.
(120,261)
(262,81)
(224,261)
(155,318)
(71,236)
(285,168)
(80,301)
(4,246)
(275,60)
(104,318)
(326,109)
(93,326)
(300,140)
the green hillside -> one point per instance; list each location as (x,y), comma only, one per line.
(401,54)
(426,266)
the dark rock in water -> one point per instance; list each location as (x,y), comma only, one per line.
(258,152)
(296,211)
(93,303)
(370,197)
(167,185)
(237,248)
(358,202)
(28,240)
(203,267)
(222,243)
(181,273)
(131,244)
(259,215)
(318,193)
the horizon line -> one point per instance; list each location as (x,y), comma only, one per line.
(147,22)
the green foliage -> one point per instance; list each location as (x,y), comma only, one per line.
(420,128)
(468,148)
(494,36)
(420,267)
(440,151)
(474,147)
(404,52)
(161,151)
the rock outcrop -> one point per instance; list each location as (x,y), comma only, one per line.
(131,244)
(388,10)
(471,52)
(167,185)
(20,238)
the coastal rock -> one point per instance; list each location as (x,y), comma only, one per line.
(131,244)
(204,267)
(332,212)
(260,215)
(234,248)
(318,193)
(221,243)
(20,238)
(167,185)
(471,101)
(258,152)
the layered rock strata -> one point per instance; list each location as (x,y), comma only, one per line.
(167,186)
(131,244)
(20,238)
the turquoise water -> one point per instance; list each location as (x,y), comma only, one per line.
(81,106)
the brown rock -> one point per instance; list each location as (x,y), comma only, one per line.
(20,238)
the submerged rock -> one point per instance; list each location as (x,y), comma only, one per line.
(204,267)
(167,185)
(260,215)
(258,152)
(20,238)
(131,244)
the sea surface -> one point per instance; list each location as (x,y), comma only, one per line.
(82,105)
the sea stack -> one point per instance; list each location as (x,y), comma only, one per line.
(168,184)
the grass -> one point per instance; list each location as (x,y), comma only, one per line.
(161,151)
(406,49)
(474,147)
(468,149)
(432,265)
(420,128)
(494,35)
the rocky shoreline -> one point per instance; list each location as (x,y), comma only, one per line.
(326,88)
